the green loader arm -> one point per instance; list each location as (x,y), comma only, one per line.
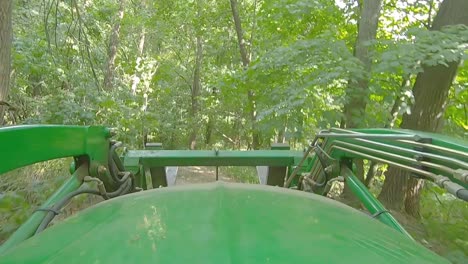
(88,145)
(427,156)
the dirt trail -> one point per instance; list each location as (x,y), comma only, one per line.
(198,174)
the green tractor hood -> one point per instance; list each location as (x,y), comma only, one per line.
(220,223)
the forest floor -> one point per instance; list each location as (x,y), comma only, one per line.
(196,174)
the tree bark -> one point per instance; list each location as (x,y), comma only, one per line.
(196,83)
(430,93)
(281,136)
(5,53)
(211,117)
(141,46)
(245,57)
(196,89)
(113,47)
(394,189)
(209,130)
(373,167)
(240,34)
(357,91)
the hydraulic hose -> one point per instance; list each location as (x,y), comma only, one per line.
(462,194)
(113,168)
(118,162)
(453,188)
(52,212)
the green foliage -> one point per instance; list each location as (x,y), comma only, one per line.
(423,47)
(445,220)
(240,174)
(301,62)
(24,189)
(14,210)
(457,110)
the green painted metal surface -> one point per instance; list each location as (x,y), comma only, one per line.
(156,158)
(445,151)
(439,157)
(133,165)
(220,223)
(25,145)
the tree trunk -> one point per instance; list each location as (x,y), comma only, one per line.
(141,46)
(357,91)
(209,130)
(211,117)
(196,89)
(373,167)
(136,81)
(430,93)
(394,188)
(240,34)
(245,57)
(252,106)
(5,53)
(113,47)
(412,197)
(196,83)
(281,137)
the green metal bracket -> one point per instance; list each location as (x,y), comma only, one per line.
(158,173)
(26,145)
(132,165)
(158,177)
(276,174)
(155,158)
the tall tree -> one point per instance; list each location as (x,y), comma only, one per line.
(245,58)
(113,47)
(196,81)
(141,47)
(196,90)
(5,53)
(430,94)
(357,91)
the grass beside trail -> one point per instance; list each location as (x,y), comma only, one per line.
(241,174)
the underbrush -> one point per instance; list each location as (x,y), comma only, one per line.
(23,190)
(443,224)
(445,220)
(240,174)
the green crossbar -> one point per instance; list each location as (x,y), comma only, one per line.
(158,158)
